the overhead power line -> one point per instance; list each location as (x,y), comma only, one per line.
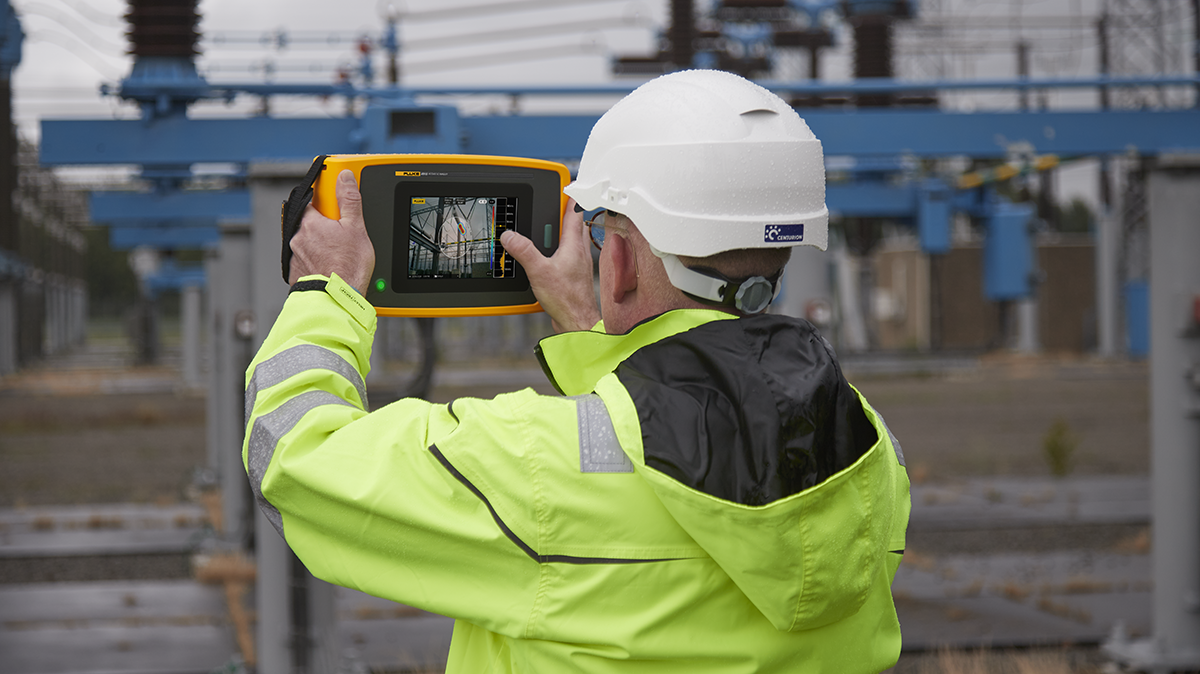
(1004,23)
(483,37)
(485,60)
(85,10)
(492,8)
(340,40)
(419,67)
(94,60)
(75,27)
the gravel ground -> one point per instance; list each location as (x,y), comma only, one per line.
(995,421)
(89,447)
(99,448)
(86,568)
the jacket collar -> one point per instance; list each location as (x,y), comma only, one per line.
(575,361)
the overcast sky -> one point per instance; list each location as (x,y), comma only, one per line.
(73,46)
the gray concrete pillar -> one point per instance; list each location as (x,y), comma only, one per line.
(851,318)
(52,318)
(1027,326)
(229,354)
(805,280)
(79,316)
(8,327)
(63,293)
(290,641)
(190,310)
(1174,201)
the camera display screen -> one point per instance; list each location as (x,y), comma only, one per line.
(437,238)
(458,237)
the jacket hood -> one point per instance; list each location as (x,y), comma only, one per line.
(755,443)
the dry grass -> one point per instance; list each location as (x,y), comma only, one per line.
(1138,544)
(982,661)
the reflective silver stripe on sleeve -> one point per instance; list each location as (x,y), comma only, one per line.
(268,429)
(599,450)
(895,442)
(292,362)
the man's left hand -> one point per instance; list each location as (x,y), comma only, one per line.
(562,282)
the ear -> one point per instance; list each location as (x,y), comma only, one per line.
(624,267)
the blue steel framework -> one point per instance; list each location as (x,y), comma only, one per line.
(166,142)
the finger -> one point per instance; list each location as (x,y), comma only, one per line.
(522,250)
(572,226)
(348,197)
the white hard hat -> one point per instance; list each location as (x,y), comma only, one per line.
(705,161)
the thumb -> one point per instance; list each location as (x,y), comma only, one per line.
(348,197)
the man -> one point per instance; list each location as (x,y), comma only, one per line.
(711,497)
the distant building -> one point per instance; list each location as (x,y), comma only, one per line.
(43,295)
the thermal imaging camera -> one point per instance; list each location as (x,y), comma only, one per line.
(435,222)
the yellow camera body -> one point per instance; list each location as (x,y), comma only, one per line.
(435,223)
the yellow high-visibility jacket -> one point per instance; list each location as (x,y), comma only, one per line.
(710,495)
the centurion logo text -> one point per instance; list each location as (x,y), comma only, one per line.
(783,233)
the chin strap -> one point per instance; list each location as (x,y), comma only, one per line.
(749,296)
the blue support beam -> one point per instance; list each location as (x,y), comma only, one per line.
(179,235)
(406,129)
(175,276)
(929,203)
(191,90)
(539,137)
(930,133)
(177,140)
(141,208)
(921,133)
(870,200)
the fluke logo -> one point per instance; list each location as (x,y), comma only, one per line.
(409,174)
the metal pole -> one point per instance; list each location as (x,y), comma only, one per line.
(1196,46)
(1023,73)
(1106,239)
(1102,40)
(391,43)
(682,33)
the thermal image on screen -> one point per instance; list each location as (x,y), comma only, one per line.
(459,237)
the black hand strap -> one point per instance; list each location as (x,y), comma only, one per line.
(292,210)
(301,286)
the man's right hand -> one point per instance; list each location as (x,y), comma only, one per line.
(563,281)
(342,247)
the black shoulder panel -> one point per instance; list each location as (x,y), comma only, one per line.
(749,410)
